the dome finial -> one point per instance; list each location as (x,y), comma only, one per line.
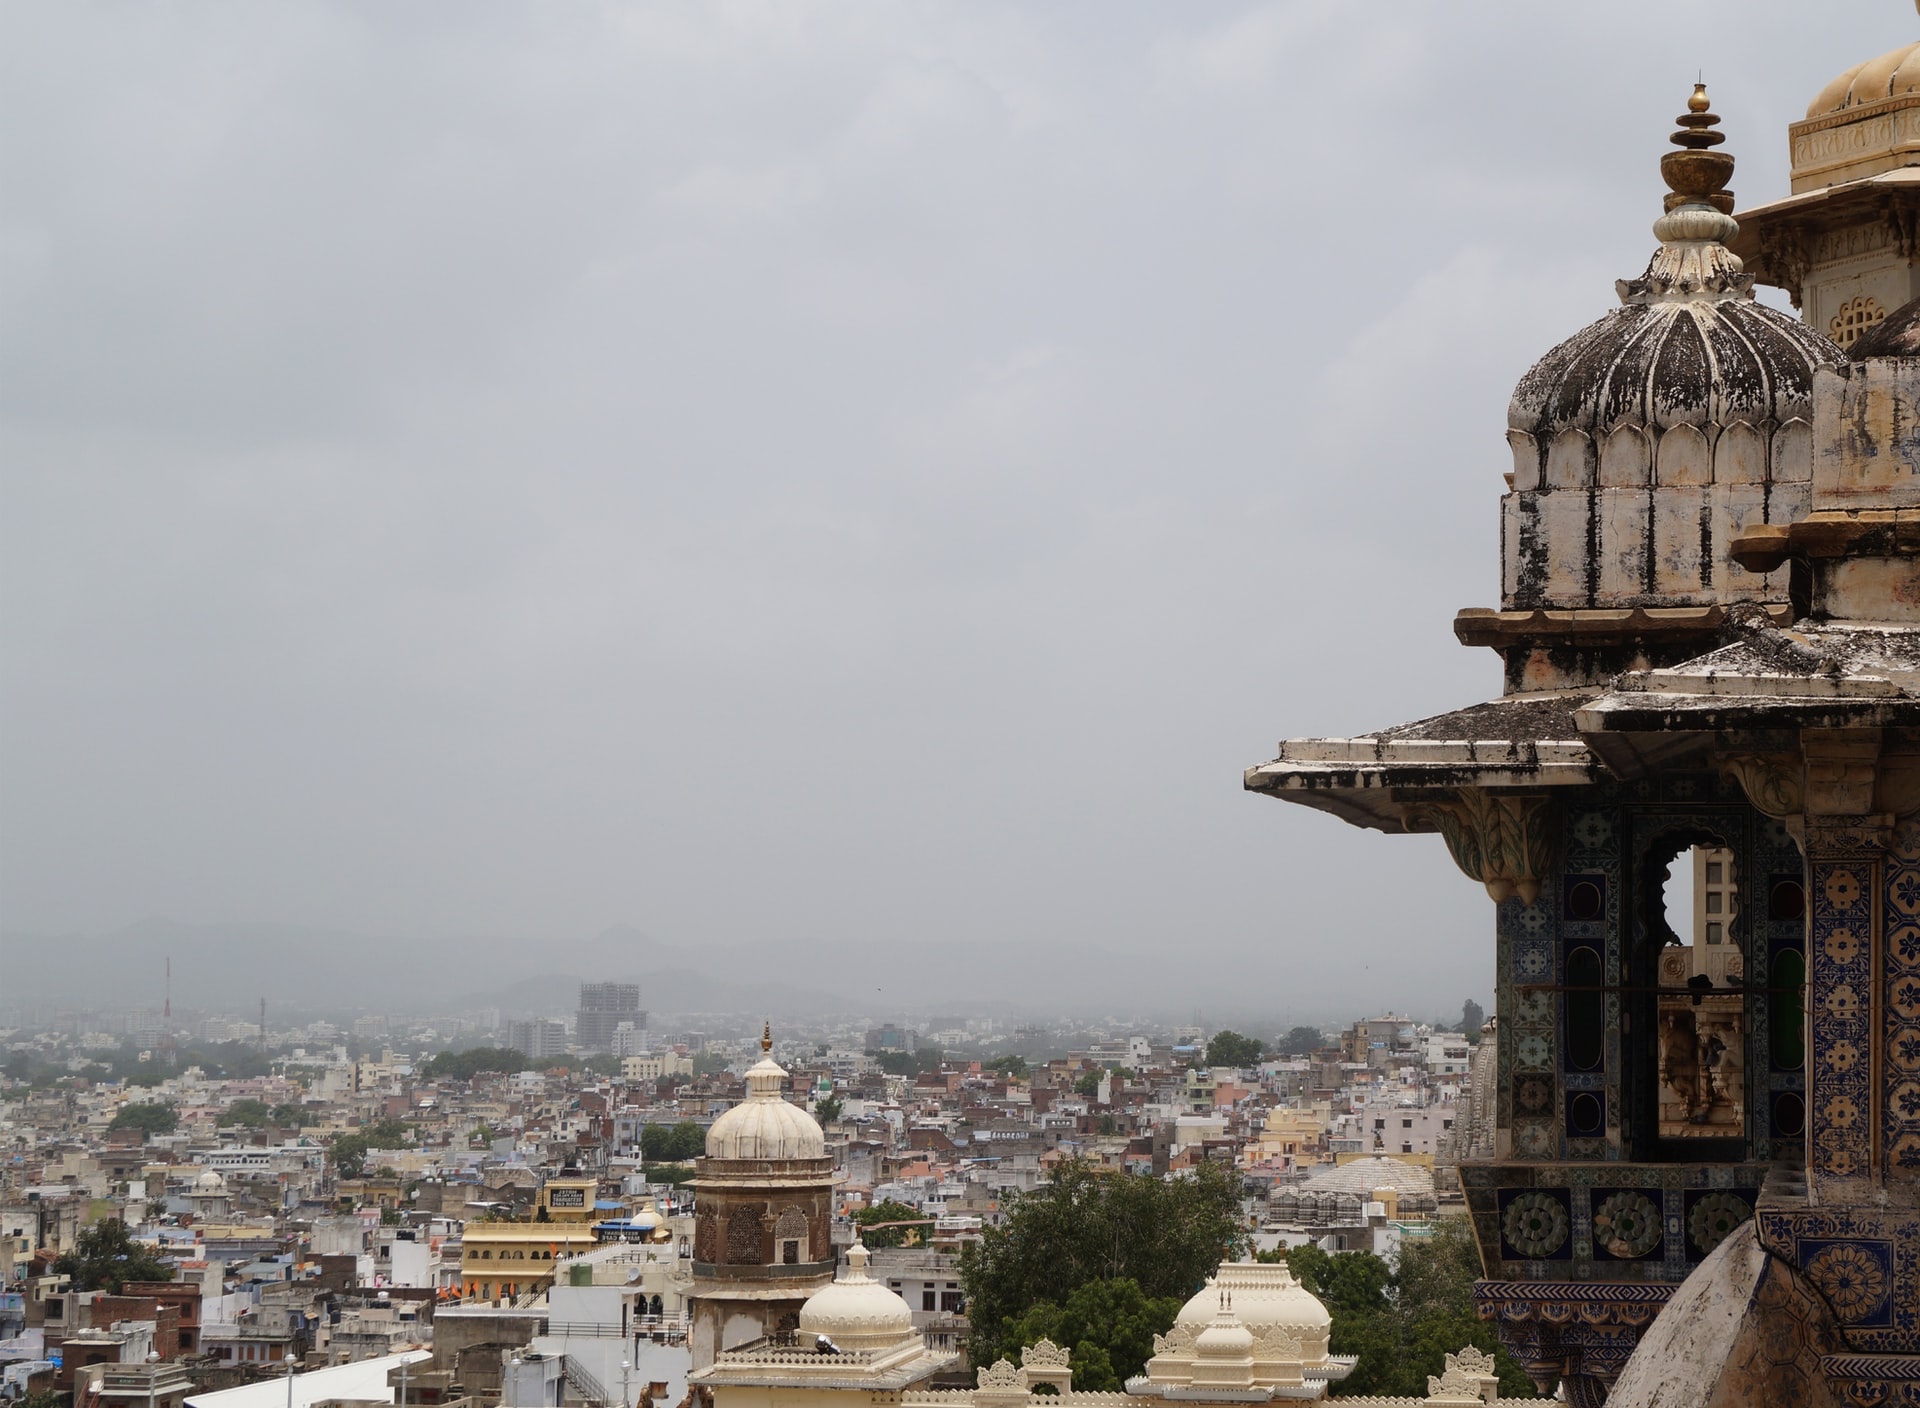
(766,1029)
(1693,261)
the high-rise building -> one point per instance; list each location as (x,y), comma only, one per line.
(603,1007)
(537,1039)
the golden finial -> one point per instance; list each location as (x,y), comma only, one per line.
(766,1038)
(1696,174)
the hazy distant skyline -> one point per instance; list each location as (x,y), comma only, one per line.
(771,473)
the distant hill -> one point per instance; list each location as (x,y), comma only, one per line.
(231,966)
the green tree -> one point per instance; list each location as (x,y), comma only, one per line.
(668,1143)
(466,1065)
(292,1114)
(1302,1041)
(1014,1066)
(890,1210)
(1472,1018)
(829,1108)
(105,1257)
(1402,1325)
(919,1061)
(349,1151)
(1229,1048)
(250,1114)
(1090,1225)
(1433,1298)
(1107,1325)
(148,1117)
(1088,1085)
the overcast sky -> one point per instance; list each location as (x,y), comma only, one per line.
(782,470)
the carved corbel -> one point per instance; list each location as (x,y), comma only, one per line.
(1783,250)
(1898,212)
(1775,783)
(1505,840)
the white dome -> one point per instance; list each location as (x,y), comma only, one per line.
(765,1125)
(1264,1296)
(1225,1338)
(858,1312)
(210,1182)
(1365,1177)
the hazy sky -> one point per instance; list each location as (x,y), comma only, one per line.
(779,470)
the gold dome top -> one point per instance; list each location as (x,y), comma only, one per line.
(1892,75)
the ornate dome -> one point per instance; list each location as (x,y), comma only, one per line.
(1264,1296)
(1695,360)
(1646,442)
(1689,346)
(210,1182)
(1889,76)
(858,1312)
(765,1125)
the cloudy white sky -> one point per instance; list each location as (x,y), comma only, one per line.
(777,470)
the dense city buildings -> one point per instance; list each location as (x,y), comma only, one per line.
(342,1203)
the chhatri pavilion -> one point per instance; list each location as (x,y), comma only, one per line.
(1252,1335)
(1702,1181)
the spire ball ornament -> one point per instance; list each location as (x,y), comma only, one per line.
(1693,261)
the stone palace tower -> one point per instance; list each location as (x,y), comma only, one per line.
(1706,1122)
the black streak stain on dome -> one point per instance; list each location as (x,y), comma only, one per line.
(1896,335)
(1676,363)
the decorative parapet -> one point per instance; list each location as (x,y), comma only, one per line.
(1469,1377)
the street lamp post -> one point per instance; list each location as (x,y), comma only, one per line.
(626,1386)
(153,1373)
(289,1363)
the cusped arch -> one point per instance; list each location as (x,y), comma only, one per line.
(1685,457)
(1626,458)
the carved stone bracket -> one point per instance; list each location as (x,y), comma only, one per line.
(1775,783)
(1505,840)
(1582,1333)
(1783,252)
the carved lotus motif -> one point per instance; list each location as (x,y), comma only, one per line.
(1627,1225)
(1536,1224)
(1714,1217)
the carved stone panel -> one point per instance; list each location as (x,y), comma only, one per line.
(744,1242)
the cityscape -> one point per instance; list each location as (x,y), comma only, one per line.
(638,642)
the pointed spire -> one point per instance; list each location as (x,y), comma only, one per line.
(1693,261)
(766,1038)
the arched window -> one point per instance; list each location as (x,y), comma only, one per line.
(1691,1011)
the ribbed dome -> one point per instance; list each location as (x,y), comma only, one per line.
(765,1125)
(1896,335)
(858,1312)
(1264,1295)
(1657,365)
(1889,76)
(1367,1176)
